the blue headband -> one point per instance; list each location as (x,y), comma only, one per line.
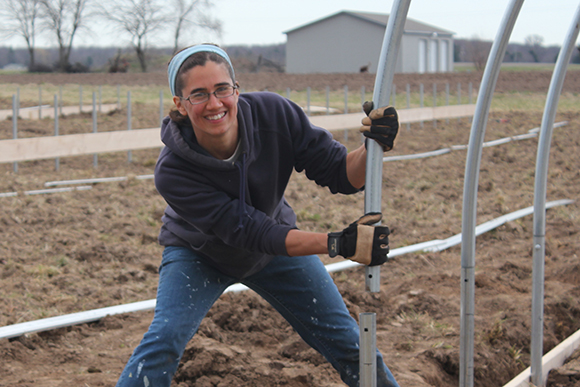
(181,56)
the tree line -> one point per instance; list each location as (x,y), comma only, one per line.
(246,58)
(533,50)
(141,20)
(136,19)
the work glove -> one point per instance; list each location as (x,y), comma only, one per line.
(380,124)
(361,241)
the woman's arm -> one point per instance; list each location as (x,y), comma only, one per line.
(356,162)
(306,243)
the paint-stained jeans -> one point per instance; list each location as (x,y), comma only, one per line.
(299,288)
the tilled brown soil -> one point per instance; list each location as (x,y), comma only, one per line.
(73,251)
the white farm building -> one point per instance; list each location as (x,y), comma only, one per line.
(350,42)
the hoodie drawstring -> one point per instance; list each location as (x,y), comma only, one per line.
(242,197)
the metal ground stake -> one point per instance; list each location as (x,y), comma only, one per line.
(374,167)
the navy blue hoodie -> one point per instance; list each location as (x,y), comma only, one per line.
(233,214)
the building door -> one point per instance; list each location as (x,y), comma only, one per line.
(422,56)
(444,56)
(433,51)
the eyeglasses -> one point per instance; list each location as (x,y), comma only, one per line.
(220,92)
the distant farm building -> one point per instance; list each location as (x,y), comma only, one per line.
(350,42)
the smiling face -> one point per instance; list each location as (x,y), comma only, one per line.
(215,121)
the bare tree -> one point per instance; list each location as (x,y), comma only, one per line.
(64,18)
(192,14)
(21,17)
(478,51)
(534,45)
(138,18)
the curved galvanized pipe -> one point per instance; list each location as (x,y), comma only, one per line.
(374,181)
(477,134)
(381,96)
(540,183)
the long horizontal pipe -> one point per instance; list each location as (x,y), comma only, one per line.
(20,329)
(531,134)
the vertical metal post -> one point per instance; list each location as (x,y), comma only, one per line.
(470,91)
(469,215)
(95,157)
(345,99)
(39,102)
(345,109)
(161,114)
(100,98)
(60,100)
(327,100)
(129,124)
(408,103)
(434,104)
(540,184)
(447,98)
(287,93)
(459,98)
(17,101)
(368,353)
(57,160)
(15,126)
(421,98)
(374,162)
(308,101)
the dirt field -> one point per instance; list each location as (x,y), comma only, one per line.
(67,252)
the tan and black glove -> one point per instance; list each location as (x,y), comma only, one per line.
(380,124)
(361,241)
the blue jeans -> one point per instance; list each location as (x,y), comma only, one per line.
(299,288)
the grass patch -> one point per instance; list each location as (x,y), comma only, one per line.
(514,67)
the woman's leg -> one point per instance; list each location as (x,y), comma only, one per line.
(187,290)
(302,291)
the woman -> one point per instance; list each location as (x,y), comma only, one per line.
(223,171)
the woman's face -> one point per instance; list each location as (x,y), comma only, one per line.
(216,119)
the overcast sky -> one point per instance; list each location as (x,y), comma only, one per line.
(264,21)
(259,22)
